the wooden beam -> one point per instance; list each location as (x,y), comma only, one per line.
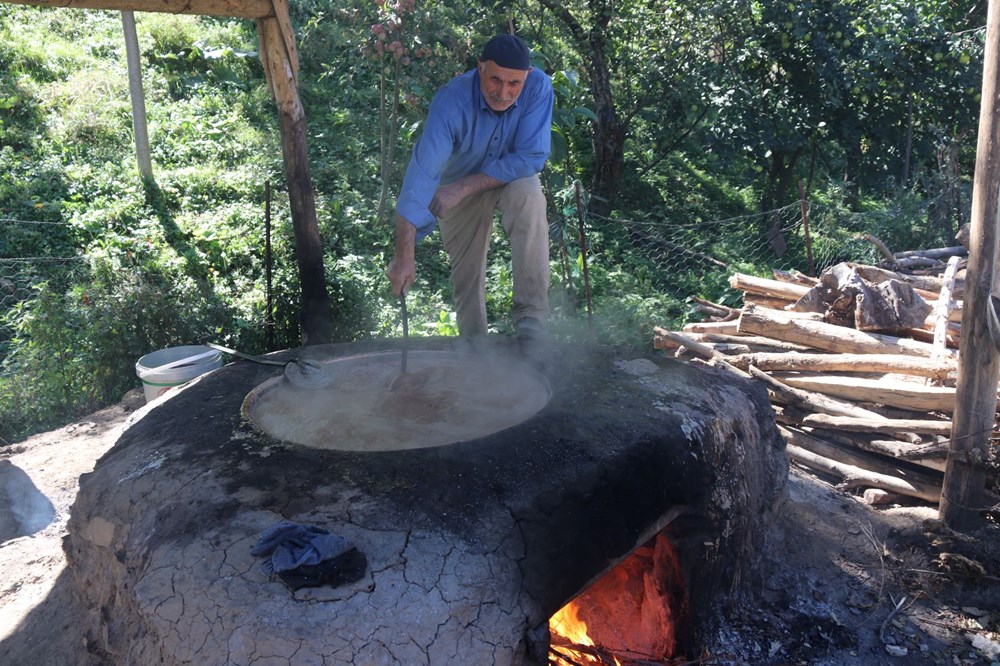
(254,9)
(975,411)
(280,61)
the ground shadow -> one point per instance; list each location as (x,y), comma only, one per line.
(52,633)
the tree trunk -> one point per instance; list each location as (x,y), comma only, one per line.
(609,130)
(780,176)
(852,175)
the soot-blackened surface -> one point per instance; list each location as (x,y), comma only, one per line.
(531,513)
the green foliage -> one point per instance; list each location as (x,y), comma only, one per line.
(724,108)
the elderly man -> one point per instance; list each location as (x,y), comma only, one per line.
(485,141)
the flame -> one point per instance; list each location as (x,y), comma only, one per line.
(567,624)
(633,609)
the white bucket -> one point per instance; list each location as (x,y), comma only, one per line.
(156,382)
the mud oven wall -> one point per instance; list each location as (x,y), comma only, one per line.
(470,547)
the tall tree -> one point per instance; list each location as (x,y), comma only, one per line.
(609,130)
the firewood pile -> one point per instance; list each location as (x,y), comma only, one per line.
(860,365)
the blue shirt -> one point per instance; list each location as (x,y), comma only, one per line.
(463,136)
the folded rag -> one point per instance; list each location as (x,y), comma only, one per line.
(292,545)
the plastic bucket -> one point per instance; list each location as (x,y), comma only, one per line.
(157,382)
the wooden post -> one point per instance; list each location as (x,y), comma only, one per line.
(805,229)
(280,59)
(268,269)
(976,402)
(138,98)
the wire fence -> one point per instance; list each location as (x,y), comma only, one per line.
(30,256)
(679,259)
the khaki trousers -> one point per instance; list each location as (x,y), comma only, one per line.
(466,234)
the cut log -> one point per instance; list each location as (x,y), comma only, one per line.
(763,301)
(715,313)
(766,287)
(933,451)
(906,395)
(919,262)
(794,277)
(862,363)
(924,284)
(726,311)
(889,448)
(815,443)
(732,345)
(827,337)
(810,401)
(724,349)
(726,327)
(942,308)
(952,337)
(879,497)
(856,477)
(704,352)
(935,253)
(757,343)
(883,426)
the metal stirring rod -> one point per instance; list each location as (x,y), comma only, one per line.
(406,331)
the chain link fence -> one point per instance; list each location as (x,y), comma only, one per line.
(675,259)
(33,254)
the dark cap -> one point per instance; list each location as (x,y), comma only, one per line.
(507,51)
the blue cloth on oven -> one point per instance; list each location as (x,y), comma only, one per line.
(293,545)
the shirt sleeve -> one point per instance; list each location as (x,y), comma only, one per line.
(423,174)
(531,142)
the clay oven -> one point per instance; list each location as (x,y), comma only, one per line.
(471,546)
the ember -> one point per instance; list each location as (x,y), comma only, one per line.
(630,614)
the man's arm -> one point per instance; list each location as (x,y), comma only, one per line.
(448,196)
(403,268)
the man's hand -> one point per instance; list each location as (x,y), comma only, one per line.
(402,270)
(447,197)
(450,195)
(401,275)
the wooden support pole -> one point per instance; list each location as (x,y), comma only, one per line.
(975,409)
(138,97)
(238,8)
(278,55)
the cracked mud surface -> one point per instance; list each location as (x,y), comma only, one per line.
(832,567)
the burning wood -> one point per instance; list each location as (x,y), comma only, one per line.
(860,364)
(629,616)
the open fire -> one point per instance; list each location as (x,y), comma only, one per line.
(631,614)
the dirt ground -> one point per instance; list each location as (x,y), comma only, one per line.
(845,583)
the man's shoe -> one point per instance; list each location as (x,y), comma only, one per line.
(529,328)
